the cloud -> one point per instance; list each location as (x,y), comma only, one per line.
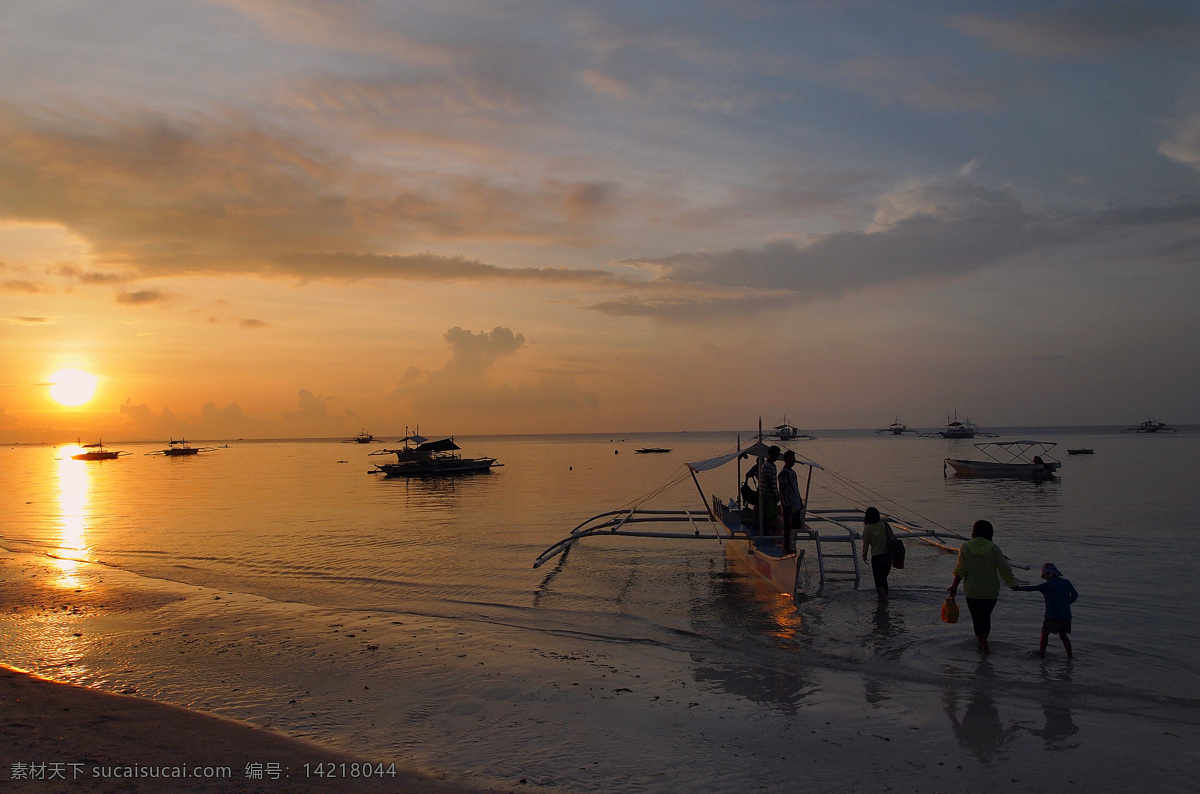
(32,320)
(931,83)
(1085,30)
(77,273)
(250,322)
(142,297)
(23,285)
(467,386)
(930,231)
(223,192)
(1183,144)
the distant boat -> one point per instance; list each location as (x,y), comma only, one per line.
(896,428)
(1149,426)
(1080,451)
(362,438)
(180,449)
(957,429)
(97,451)
(420,457)
(645,450)
(1024,460)
(787,432)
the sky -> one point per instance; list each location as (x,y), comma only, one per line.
(304,218)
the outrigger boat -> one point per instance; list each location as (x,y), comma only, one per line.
(1149,426)
(957,429)
(824,544)
(787,432)
(97,451)
(362,438)
(896,428)
(651,450)
(420,457)
(1025,460)
(180,449)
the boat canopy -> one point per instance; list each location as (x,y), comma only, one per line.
(758,450)
(441,445)
(1015,451)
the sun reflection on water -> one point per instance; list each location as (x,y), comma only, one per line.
(73,507)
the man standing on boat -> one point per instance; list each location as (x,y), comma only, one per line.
(768,491)
(790,499)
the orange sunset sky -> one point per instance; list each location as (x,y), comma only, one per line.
(290,218)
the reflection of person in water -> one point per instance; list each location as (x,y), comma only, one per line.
(1058,727)
(980,729)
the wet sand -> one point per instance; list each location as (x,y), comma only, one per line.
(58,736)
(64,737)
(531,711)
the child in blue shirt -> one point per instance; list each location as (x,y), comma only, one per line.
(1059,594)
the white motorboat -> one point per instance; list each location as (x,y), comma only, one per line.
(1025,460)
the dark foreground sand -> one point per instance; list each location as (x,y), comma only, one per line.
(61,737)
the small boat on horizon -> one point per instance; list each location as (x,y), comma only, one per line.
(97,451)
(180,449)
(1149,426)
(788,432)
(651,450)
(1080,451)
(362,438)
(896,428)
(957,429)
(420,457)
(1023,460)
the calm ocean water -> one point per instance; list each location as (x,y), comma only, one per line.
(404,617)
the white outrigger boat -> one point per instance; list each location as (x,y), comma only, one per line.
(788,432)
(957,429)
(1149,426)
(896,428)
(1025,460)
(825,545)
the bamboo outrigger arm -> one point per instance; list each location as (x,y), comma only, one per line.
(614,523)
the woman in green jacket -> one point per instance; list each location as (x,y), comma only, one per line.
(980,567)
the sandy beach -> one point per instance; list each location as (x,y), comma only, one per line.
(58,736)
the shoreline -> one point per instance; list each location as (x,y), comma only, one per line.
(58,735)
(85,738)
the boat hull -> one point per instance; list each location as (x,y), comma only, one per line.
(447,468)
(96,456)
(180,452)
(1019,471)
(762,556)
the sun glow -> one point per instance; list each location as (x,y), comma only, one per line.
(72,387)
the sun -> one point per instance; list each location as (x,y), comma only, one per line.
(72,387)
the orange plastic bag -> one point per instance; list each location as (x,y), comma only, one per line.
(950,611)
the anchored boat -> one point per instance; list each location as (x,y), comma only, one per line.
(957,429)
(1025,460)
(97,451)
(1149,426)
(420,457)
(180,449)
(896,428)
(824,543)
(787,432)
